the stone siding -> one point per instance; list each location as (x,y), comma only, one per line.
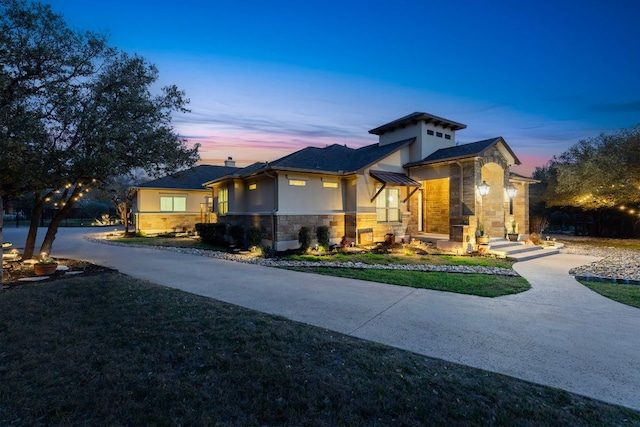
(166,222)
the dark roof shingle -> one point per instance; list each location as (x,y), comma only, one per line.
(190,179)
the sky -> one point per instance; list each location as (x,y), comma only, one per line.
(267,78)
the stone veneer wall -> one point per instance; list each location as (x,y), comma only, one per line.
(381,229)
(163,222)
(288,226)
(436,205)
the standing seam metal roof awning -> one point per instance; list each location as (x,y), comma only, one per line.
(393,179)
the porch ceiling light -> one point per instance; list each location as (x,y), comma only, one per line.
(484,188)
(512,191)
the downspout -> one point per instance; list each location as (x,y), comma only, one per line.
(274,210)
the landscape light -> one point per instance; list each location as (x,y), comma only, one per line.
(484,188)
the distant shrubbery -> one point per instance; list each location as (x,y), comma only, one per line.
(212,234)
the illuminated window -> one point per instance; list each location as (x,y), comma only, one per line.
(326,184)
(253,186)
(388,205)
(173,203)
(223,201)
(298,182)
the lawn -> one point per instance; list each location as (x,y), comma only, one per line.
(112,350)
(625,294)
(484,285)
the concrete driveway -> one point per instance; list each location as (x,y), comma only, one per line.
(559,333)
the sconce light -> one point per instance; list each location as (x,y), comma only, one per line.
(512,191)
(484,188)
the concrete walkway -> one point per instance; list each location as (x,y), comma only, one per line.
(559,333)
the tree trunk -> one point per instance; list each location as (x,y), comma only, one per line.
(30,244)
(61,214)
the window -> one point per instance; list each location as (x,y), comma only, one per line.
(429,132)
(447,136)
(388,205)
(253,186)
(297,182)
(173,203)
(328,184)
(439,134)
(223,201)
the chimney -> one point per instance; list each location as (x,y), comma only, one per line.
(230,162)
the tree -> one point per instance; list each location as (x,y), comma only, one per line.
(599,177)
(78,111)
(599,172)
(38,54)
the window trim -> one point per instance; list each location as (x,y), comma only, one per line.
(387,209)
(223,202)
(173,199)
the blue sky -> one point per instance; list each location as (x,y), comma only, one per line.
(266,78)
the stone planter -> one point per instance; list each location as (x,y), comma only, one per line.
(44,269)
(483,240)
(513,237)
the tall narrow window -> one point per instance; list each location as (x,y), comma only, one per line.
(223,201)
(388,205)
(173,203)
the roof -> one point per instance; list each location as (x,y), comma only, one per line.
(190,179)
(413,119)
(393,178)
(332,159)
(463,151)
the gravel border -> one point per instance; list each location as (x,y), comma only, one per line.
(275,262)
(617,265)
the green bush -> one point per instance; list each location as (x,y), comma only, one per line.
(254,236)
(236,231)
(304,238)
(323,234)
(212,234)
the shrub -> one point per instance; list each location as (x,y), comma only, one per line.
(254,236)
(304,238)
(212,234)
(236,231)
(323,233)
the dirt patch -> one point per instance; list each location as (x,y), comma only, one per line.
(13,274)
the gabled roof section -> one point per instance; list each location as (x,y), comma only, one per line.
(415,118)
(333,159)
(190,179)
(463,151)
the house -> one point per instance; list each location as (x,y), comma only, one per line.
(415,181)
(176,202)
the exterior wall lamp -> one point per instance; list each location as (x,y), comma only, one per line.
(484,188)
(512,191)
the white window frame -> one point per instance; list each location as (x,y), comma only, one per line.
(223,201)
(388,205)
(173,203)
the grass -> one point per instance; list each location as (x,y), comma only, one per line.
(405,259)
(112,350)
(484,285)
(625,294)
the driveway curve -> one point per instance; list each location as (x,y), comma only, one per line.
(559,333)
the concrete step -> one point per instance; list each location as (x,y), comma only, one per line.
(519,251)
